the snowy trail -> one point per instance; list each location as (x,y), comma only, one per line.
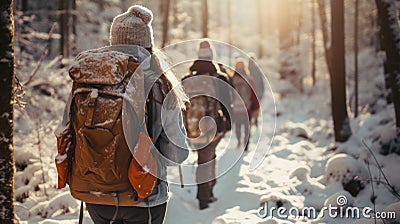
(183,207)
(238,191)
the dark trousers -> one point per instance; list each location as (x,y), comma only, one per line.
(205,172)
(103,214)
(242,121)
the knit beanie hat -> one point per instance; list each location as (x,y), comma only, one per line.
(133,27)
(240,67)
(240,64)
(205,50)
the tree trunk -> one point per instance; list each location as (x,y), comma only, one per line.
(160,6)
(356,59)
(64,27)
(313,51)
(204,19)
(299,15)
(175,4)
(290,62)
(260,29)
(74,33)
(388,88)
(62,39)
(7,76)
(285,25)
(325,33)
(101,3)
(341,122)
(388,92)
(230,40)
(24,5)
(165,24)
(390,33)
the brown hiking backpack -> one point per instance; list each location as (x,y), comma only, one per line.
(101,162)
(196,87)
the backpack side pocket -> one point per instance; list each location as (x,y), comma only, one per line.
(64,144)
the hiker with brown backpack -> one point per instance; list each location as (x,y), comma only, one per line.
(113,146)
(208,89)
(244,103)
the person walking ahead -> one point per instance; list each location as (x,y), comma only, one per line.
(244,103)
(101,171)
(207,87)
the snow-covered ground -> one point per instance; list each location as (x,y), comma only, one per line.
(303,167)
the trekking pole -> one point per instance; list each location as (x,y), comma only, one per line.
(181,176)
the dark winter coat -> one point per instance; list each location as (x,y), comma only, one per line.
(241,79)
(224,91)
(202,66)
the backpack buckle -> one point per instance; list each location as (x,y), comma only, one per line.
(92,102)
(92,97)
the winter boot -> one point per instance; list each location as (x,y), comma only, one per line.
(203,204)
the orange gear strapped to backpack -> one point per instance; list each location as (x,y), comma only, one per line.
(143,167)
(64,144)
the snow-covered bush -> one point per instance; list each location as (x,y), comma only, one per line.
(63,202)
(310,188)
(27,181)
(302,173)
(296,129)
(347,170)
(391,145)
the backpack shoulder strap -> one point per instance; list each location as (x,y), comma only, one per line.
(157,95)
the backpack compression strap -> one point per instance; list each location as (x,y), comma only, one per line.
(91,104)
